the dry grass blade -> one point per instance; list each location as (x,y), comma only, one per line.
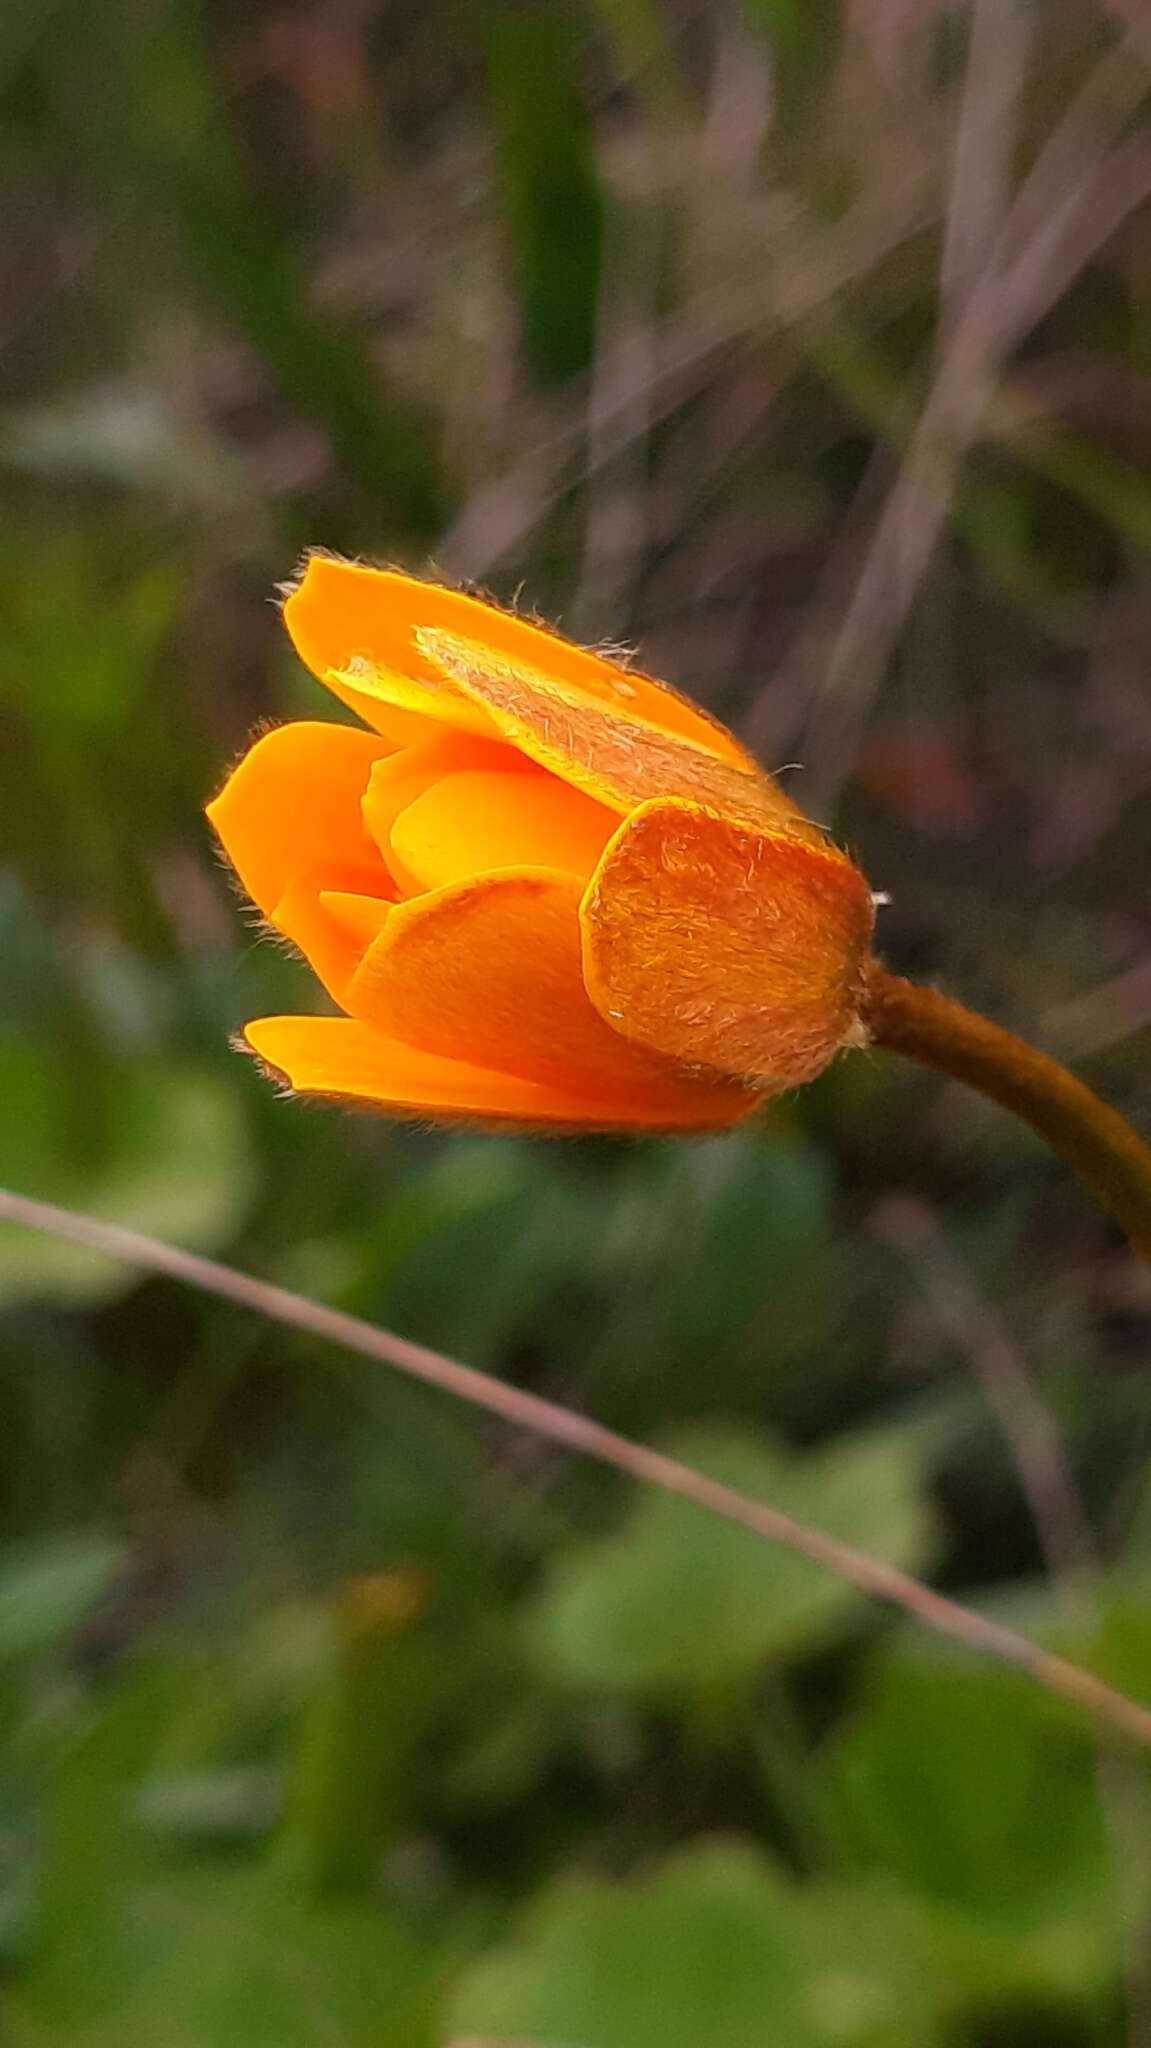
(1081,188)
(1114,1710)
(1065,1536)
(499,516)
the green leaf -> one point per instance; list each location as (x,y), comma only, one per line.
(971,1786)
(696,1952)
(176,1164)
(351,1777)
(682,1602)
(47,1587)
(757,1212)
(550,186)
(872,1957)
(81,645)
(133,1943)
(804,36)
(224,1956)
(177,138)
(503,1225)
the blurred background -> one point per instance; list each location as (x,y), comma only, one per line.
(804,345)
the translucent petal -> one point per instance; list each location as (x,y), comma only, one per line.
(356,629)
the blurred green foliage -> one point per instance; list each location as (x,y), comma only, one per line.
(329,1714)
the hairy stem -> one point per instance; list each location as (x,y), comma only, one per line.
(1095,1141)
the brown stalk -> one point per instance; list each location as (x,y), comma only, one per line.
(1095,1140)
(1114,1710)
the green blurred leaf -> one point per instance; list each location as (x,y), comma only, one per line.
(871,1954)
(967,1783)
(757,1212)
(380,440)
(47,1588)
(697,1951)
(177,135)
(177,1164)
(80,646)
(502,1222)
(257,1967)
(22,24)
(550,184)
(87,1949)
(681,1602)
(226,1958)
(131,1944)
(804,37)
(350,1782)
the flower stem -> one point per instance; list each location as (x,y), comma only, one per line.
(1094,1140)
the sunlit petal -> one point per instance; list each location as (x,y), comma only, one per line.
(336,1056)
(294,803)
(490,970)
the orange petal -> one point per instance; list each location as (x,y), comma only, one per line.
(397,781)
(360,918)
(356,629)
(601,747)
(350,625)
(489,971)
(708,939)
(294,801)
(337,1056)
(309,914)
(471,823)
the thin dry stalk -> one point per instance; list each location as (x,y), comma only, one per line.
(1077,193)
(1022,1414)
(1065,1538)
(499,517)
(984,144)
(1114,1710)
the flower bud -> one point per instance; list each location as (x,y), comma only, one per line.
(540,887)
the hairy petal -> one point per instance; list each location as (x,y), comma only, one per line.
(357,627)
(708,939)
(603,748)
(489,971)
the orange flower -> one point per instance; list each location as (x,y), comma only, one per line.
(540,887)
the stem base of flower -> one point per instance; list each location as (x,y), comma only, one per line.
(1093,1139)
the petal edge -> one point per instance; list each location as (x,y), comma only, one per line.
(341,1059)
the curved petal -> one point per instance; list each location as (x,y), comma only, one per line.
(360,918)
(478,820)
(313,914)
(708,939)
(336,1056)
(402,777)
(293,802)
(356,628)
(602,748)
(489,971)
